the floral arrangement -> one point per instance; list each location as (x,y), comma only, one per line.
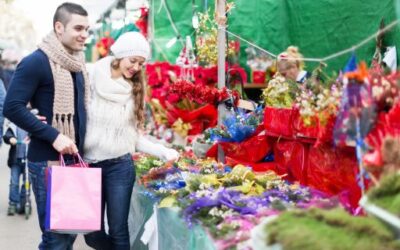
(228,202)
(385,88)
(279,93)
(318,103)
(202,94)
(171,99)
(144,163)
(103,44)
(236,127)
(229,215)
(206,39)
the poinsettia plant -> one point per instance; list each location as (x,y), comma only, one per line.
(202,94)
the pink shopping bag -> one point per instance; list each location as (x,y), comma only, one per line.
(73,198)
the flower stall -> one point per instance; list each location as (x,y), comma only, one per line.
(312,165)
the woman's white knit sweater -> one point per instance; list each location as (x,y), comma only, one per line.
(111,130)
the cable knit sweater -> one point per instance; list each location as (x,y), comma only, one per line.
(111,130)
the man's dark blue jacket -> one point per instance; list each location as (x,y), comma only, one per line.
(33,82)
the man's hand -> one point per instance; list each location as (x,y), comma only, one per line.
(41,118)
(65,145)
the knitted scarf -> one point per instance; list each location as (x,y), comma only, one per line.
(62,64)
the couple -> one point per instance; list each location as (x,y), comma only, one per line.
(99,115)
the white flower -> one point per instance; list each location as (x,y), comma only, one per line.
(377,91)
(227,213)
(214,212)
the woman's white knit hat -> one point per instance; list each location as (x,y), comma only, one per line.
(131,44)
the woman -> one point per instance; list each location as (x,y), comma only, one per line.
(115,117)
(290,65)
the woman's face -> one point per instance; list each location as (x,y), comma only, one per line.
(288,70)
(129,66)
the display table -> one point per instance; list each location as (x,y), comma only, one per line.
(169,230)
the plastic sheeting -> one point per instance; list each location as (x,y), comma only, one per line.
(318,28)
(173,232)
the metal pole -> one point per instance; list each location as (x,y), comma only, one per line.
(221,43)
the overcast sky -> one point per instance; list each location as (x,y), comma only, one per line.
(41,12)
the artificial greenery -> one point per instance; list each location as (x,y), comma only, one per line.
(329,229)
(387,195)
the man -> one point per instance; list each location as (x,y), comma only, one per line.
(54,80)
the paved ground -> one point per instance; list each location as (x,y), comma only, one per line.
(16,233)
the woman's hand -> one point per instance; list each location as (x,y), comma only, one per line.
(170,154)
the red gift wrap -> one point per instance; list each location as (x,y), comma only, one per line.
(301,130)
(253,149)
(334,171)
(255,166)
(291,159)
(258,77)
(279,122)
(199,119)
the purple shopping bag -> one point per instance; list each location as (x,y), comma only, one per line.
(73,198)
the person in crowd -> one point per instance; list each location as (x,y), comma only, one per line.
(115,121)
(290,65)
(9,60)
(2,98)
(54,80)
(17,138)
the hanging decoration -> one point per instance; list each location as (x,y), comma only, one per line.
(142,22)
(187,61)
(206,39)
(103,44)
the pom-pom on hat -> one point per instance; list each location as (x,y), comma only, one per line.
(131,44)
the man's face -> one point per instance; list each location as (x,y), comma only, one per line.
(73,35)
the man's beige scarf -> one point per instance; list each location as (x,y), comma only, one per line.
(62,64)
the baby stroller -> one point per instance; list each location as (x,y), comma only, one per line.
(26,204)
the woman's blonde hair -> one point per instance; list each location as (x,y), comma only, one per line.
(138,89)
(292,56)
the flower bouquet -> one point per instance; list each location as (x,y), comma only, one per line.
(279,97)
(241,137)
(318,105)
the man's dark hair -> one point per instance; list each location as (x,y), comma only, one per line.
(64,12)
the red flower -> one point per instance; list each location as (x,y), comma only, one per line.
(201,94)
(237,71)
(141,23)
(104,44)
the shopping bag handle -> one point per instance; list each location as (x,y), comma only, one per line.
(82,164)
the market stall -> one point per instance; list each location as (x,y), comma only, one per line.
(308,158)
